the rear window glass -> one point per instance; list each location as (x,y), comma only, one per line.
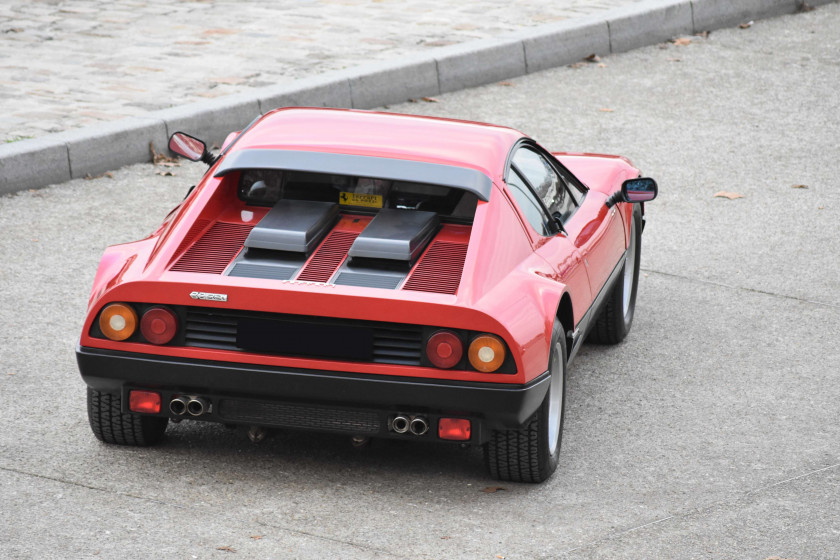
(265,187)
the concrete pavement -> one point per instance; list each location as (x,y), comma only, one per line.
(711,432)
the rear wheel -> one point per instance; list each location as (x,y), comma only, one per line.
(111,425)
(616,317)
(531,453)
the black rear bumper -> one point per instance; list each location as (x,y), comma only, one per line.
(285,393)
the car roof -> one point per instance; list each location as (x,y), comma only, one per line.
(479,146)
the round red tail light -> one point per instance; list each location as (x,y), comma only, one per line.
(159,325)
(444,349)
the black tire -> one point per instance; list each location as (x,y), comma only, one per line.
(616,318)
(111,425)
(531,453)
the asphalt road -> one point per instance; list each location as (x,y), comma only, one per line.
(712,432)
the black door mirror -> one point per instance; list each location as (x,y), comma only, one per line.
(191,148)
(642,189)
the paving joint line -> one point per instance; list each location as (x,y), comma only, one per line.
(697,511)
(740,288)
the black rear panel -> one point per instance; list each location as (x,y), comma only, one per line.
(311,337)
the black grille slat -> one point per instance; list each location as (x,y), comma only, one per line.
(221,329)
(301,417)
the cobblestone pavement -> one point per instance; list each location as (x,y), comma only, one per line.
(67,64)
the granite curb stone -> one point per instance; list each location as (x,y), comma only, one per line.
(326,90)
(566,42)
(58,158)
(96,149)
(386,82)
(647,23)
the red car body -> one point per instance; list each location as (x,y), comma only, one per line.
(487,270)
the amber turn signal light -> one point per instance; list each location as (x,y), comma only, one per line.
(487,353)
(118,321)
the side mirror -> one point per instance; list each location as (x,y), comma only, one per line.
(191,148)
(641,189)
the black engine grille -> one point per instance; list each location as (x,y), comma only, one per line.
(312,337)
(300,417)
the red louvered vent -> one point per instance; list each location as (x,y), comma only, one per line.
(193,232)
(439,270)
(328,257)
(216,248)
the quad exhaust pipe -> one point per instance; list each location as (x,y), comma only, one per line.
(185,404)
(178,405)
(416,425)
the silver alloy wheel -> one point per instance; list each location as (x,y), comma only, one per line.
(555,399)
(629,269)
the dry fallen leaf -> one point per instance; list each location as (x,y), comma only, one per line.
(445,538)
(505,83)
(226,548)
(703,34)
(593,58)
(805,7)
(500,556)
(602,65)
(11,373)
(605,110)
(674,60)
(165,173)
(662,46)
(430,99)
(729,195)
(493,489)
(412,100)
(256,537)
(577,65)
(162,159)
(107,174)
(799,186)
(682,41)
(746,25)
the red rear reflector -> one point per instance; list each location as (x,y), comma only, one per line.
(144,401)
(454,428)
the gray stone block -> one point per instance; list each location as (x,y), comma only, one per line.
(647,23)
(715,14)
(31,164)
(96,149)
(212,120)
(394,82)
(326,90)
(549,46)
(479,62)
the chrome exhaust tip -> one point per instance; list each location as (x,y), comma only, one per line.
(178,405)
(400,424)
(419,426)
(197,406)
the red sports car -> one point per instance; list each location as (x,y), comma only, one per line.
(372,274)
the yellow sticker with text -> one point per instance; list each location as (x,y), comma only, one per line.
(357,199)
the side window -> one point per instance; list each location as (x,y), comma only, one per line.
(529,205)
(549,186)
